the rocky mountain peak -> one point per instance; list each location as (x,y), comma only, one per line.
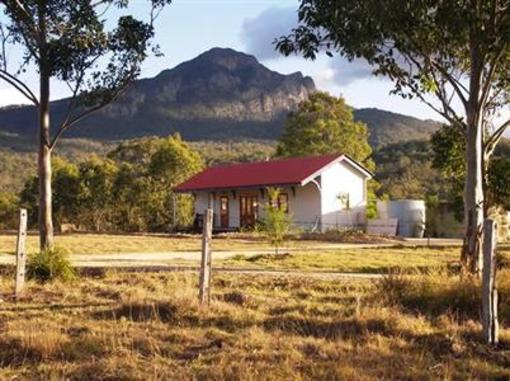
(222,93)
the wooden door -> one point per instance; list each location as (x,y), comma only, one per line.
(248,205)
(224,209)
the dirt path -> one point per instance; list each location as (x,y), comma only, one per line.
(141,259)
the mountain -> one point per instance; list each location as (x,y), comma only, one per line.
(221,94)
(388,128)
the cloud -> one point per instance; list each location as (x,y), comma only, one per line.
(345,72)
(259,33)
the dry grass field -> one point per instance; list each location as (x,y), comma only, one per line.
(126,243)
(353,260)
(303,255)
(149,243)
(148,326)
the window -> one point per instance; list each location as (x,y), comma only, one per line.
(283,202)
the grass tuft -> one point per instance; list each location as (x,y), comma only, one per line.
(50,264)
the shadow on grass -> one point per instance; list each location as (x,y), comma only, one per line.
(15,352)
(140,312)
(331,330)
(56,307)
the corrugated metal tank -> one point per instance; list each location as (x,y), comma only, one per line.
(410,215)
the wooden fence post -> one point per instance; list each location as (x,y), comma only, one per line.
(490,325)
(206,263)
(21,253)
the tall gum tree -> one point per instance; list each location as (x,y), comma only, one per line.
(68,40)
(454,55)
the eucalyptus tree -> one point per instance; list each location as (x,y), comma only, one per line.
(94,46)
(453,55)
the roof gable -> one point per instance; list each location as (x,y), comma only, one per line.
(281,172)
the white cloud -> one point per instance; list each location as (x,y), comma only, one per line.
(259,33)
(345,72)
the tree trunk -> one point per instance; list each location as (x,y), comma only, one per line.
(473,200)
(44,165)
(471,256)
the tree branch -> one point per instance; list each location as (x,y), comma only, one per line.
(79,81)
(18,85)
(497,134)
(72,121)
(490,75)
(456,84)
(448,112)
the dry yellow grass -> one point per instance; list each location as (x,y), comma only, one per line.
(301,256)
(125,243)
(148,326)
(363,260)
(147,243)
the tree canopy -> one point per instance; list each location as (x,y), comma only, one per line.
(449,151)
(120,193)
(324,124)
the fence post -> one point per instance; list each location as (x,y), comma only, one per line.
(21,253)
(206,263)
(490,325)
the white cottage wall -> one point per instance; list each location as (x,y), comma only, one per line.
(341,179)
(305,206)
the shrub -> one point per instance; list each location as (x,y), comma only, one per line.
(50,264)
(276,224)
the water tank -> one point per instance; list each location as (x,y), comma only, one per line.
(410,215)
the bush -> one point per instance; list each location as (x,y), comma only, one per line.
(276,224)
(50,264)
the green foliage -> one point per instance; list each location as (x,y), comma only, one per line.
(66,185)
(405,170)
(324,124)
(449,145)
(220,152)
(8,210)
(65,191)
(149,170)
(498,182)
(15,168)
(95,202)
(449,150)
(50,264)
(276,224)
(132,191)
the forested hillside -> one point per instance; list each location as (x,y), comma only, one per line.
(128,169)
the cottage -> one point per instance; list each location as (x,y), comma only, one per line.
(320,192)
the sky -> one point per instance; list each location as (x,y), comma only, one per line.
(189,27)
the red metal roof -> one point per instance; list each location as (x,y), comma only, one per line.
(290,171)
